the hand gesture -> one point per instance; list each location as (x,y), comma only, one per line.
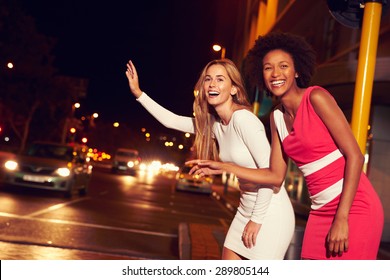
(132,76)
(206,167)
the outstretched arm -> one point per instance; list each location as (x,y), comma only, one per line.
(164,116)
(274,175)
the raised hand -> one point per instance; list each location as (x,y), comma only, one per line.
(132,76)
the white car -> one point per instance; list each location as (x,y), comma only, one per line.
(193,183)
(126,160)
(51,166)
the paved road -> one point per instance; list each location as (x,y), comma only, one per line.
(122,217)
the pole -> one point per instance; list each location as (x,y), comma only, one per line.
(256,103)
(365,71)
(223,52)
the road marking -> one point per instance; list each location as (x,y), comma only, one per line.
(55,207)
(144,232)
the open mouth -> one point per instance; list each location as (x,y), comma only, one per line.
(278,83)
(213,93)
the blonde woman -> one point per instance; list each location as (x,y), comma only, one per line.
(227,130)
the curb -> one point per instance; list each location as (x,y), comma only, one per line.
(212,234)
(184,242)
(201,241)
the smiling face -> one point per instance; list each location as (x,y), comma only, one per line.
(279,72)
(218,86)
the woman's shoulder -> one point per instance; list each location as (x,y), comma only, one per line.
(244,116)
(243,113)
(318,95)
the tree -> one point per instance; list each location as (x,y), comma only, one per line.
(32,94)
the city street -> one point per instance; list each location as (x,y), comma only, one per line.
(122,217)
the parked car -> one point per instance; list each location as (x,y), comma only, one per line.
(51,166)
(193,183)
(126,160)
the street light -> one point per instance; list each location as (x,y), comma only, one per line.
(69,121)
(218,48)
(90,119)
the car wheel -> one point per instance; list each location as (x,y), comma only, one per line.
(84,190)
(69,192)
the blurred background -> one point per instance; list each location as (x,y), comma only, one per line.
(62,75)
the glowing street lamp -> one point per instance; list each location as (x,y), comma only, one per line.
(69,121)
(218,48)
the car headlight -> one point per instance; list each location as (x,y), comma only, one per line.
(143,166)
(11,165)
(63,172)
(130,164)
(209,179)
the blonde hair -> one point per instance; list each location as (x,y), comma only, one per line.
(205,144)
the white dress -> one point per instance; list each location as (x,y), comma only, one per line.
(243,141)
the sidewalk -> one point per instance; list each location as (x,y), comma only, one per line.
(205,242)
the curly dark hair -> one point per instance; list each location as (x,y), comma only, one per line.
(302,53)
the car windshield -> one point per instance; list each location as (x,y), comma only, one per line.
(127,154)
(51,151)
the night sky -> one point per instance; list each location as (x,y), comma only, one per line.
(169,42)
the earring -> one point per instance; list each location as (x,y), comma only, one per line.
(296,75)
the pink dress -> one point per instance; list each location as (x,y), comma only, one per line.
(311,147)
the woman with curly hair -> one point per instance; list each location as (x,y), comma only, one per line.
(226,129)
(346,217)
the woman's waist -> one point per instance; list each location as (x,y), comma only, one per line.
(254,188)
(325,177)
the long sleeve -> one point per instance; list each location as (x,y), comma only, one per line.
(166,117)
(264,196)
(252,132)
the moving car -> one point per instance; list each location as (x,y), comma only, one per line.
(193,183)
(126,160)
(59,167)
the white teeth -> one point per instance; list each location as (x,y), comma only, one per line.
(278,83)
(213,93)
